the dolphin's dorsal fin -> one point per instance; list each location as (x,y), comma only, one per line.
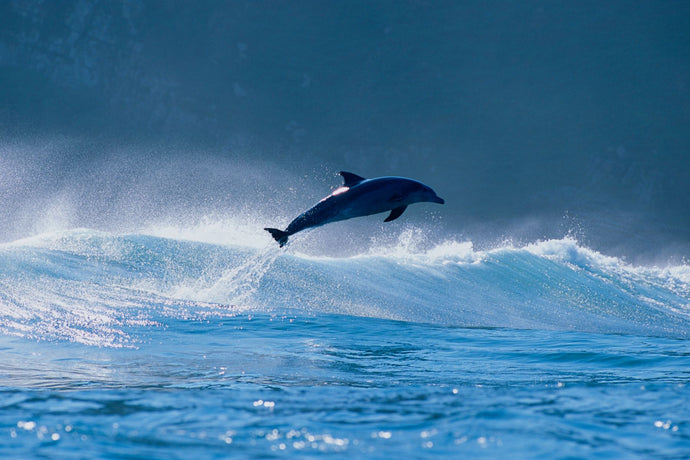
(395,213)
(350,179)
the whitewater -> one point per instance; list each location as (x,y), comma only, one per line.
(171,342)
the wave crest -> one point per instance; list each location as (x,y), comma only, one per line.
(105,289)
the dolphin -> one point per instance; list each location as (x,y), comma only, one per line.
(359,197)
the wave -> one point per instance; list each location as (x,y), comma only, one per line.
(108,289)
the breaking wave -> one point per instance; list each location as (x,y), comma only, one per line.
(108,289)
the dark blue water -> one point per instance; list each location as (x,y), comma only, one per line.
(518,114)
(136,346)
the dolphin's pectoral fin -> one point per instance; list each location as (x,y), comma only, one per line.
(350,179)
(395,213)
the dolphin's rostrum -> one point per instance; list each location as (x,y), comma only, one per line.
(360,197)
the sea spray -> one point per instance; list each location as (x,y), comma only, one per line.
(237,284)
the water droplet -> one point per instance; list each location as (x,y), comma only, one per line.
(28,426)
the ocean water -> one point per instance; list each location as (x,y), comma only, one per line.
(145,314)
(163,344)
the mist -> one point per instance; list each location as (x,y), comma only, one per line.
(533,120)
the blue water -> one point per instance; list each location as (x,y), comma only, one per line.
(164,344)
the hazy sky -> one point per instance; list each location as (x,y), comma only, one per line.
(530,118)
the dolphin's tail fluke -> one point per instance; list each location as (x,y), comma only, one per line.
(280,236)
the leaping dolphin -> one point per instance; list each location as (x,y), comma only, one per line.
(360,197)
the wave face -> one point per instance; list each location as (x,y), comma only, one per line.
(109,290)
